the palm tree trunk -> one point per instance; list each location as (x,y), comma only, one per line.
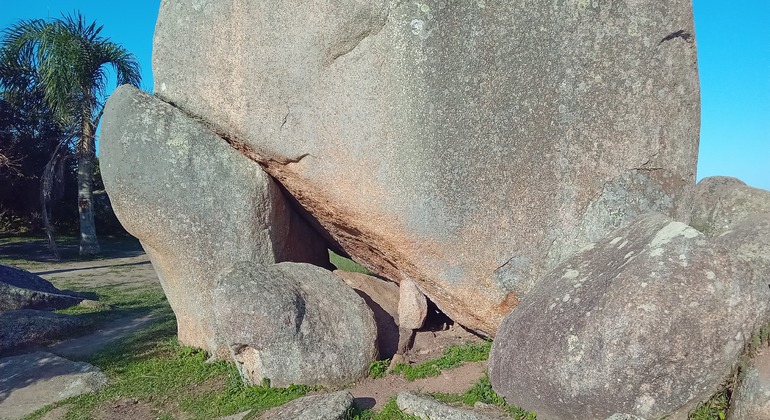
(86,154)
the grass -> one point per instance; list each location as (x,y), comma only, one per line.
(152,368)
(482,392)
(389,412)
(118,301)
(31,252)
(713,409)
(453,357)
(174,379)
(379,368)
(346,264)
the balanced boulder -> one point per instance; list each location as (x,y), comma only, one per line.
(293,323)
(196,204)
(648,321)
(470,146)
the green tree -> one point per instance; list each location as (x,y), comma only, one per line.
(69,60)
(29,135)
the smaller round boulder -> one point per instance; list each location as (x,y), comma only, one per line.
(294,323)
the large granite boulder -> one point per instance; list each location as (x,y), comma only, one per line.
(20,289)
(293,323)
(197,205)
(470,146)
(648,321)
(749,241)
(737,217)
(720,202)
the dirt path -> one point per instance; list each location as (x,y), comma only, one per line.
(134,272)
(127,273)
(85,345)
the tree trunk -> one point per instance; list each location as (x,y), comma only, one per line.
(47,182)
(86,154)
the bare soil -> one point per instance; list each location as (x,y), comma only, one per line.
(124,409)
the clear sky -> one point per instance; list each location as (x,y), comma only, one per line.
(733,41)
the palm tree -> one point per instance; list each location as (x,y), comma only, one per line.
(69,59)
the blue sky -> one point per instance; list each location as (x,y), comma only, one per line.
(733,41)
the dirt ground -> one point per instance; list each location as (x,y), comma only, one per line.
(125,265)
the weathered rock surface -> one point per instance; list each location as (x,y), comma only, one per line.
(20,289)
(469,146)
(412,305)
(294,323)
(28,327)
(382,298)
(738,218)
(751,399)
(197,206)
(648,321)
(720,202)
(426,407)
(749,240)
(333,406)
(31,381)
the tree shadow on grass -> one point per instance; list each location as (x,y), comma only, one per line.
(35,249)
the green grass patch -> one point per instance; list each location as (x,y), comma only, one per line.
(168,379)
(379,368)
(453,356)
(119,303)
(238,398)
(713,409)
(9,238)
(482,392)
(389,412)
(151,367)
(346,264)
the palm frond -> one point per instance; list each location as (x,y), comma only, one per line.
(68,55)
